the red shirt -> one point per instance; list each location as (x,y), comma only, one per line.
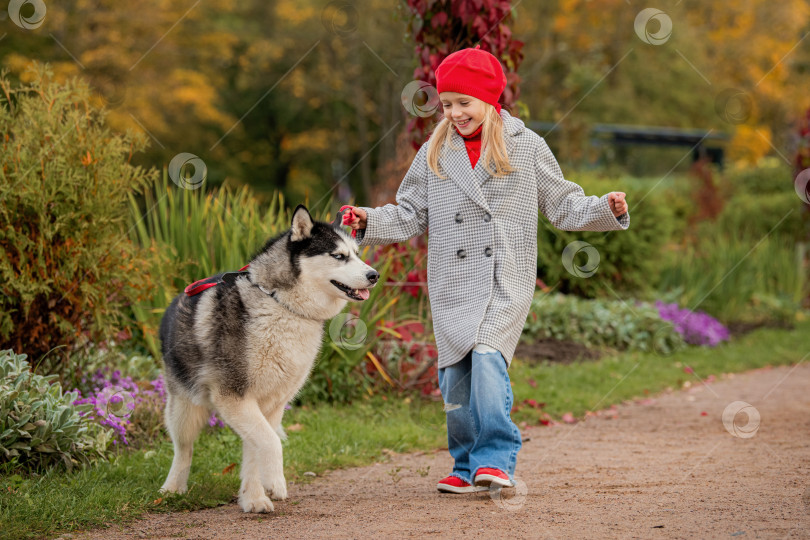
(472,143)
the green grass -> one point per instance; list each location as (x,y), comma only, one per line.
(343,436)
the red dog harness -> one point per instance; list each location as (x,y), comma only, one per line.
(206,283)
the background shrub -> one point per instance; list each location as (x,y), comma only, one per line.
(629,260)
(66,265)
(754,215)
(40,427)
(600,322)
(770,175)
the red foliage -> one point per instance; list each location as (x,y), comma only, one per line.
(441,27)
(802,159)
(411,359)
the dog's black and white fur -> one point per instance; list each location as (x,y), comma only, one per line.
(245,349)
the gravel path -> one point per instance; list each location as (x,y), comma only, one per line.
(664,467)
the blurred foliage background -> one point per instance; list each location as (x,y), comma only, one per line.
(295,95)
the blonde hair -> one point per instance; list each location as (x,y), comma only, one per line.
(493,147)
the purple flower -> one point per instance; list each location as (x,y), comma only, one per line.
(109,390)
(696,327)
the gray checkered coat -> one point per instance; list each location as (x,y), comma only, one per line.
(482,246)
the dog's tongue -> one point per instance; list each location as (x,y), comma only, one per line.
(363,293)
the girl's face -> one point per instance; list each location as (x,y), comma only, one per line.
(465,112)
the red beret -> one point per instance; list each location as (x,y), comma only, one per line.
(473,72)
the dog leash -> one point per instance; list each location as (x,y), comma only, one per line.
(346,218)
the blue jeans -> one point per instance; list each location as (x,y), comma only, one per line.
(478,399)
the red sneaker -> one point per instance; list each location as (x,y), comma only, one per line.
(495,477)
(454,484)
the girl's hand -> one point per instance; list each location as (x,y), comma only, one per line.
(617,203)
(354,217)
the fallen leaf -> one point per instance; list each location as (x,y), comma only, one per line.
(532,383)
(687,369)
(157,501)
(294,427)
(568,418)
(229,468)
(704,413)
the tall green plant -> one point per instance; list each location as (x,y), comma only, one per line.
(628,260)
(737,278)
(66,265)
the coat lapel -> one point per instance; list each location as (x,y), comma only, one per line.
(458,166)
(471,180)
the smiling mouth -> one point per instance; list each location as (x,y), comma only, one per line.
(465,123)
(354,294)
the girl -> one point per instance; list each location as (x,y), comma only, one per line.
(477,184)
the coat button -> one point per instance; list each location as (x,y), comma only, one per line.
(488,252)
(459,218)
(461,253)
(487,217)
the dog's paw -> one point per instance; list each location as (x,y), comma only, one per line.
(277,488)
(256,504)
(173,488)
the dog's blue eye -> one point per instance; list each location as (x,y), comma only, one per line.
(339,256)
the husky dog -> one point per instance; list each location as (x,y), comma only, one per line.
(245,347)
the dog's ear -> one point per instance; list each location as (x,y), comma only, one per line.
(301,223)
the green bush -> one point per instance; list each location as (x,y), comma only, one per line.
(628,260)
(66,266)
(754,215)
(40,428)
(771,175)
(611,323)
